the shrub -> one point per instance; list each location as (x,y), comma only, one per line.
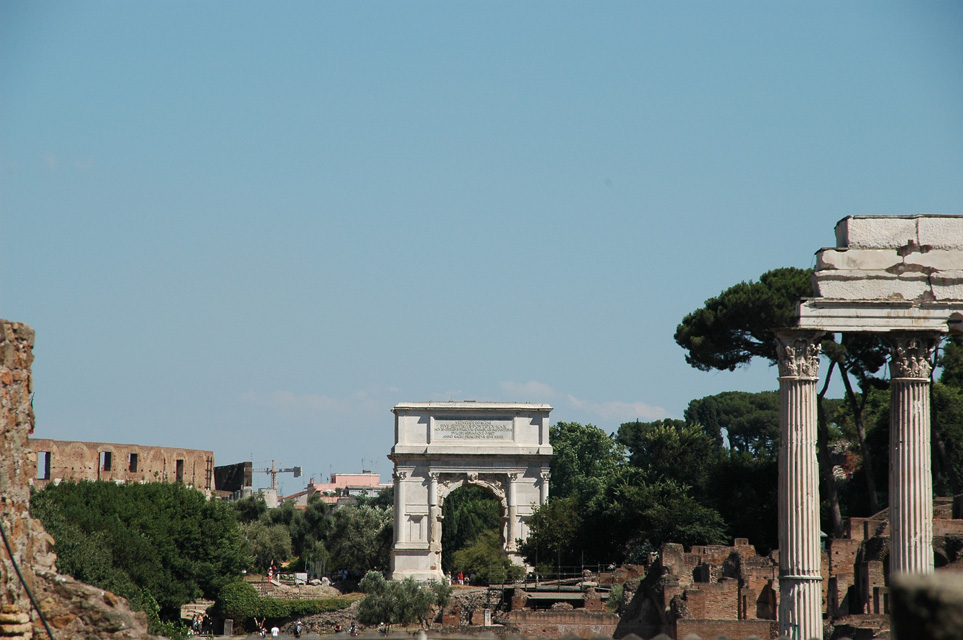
(240,601)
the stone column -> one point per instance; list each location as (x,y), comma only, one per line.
(543,489)
(510,544)
(399,478)
(800,582)
(434,515)
(910,475)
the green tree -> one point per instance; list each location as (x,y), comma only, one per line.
(742,488)
(639,514)
(671,449)
(947,421)
(310,525)
(267,544)
(250,509)
(239,601)
(736,326)
(585,458)
(162,537)
(468,512)
(384,500)
(394,602)
(361,538)
(485,559)
(750,420)
(555,531)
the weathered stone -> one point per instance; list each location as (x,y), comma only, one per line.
(854,284)
(442,446)
(890,232)
(878,259)
(61,621)
(875,232)
(940,232)
(76,609)
(927,607)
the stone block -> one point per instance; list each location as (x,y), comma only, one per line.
(874,259)
(871,285)
(941,232)
(934,260)
(947,285)
(875,232)
(927,607)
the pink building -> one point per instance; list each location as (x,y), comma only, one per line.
(343,487)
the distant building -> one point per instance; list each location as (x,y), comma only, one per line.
(58,460)
(342,488)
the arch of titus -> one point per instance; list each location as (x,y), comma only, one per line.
(901,277)
(441,446)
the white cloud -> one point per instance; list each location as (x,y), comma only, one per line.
(532,390)
(619,411)
(575,402)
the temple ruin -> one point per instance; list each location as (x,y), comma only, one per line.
(900,277)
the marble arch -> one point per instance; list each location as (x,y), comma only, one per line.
(900,277)
(441,446)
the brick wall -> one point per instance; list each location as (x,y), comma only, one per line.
(53,460)
(733,629)
(555,624)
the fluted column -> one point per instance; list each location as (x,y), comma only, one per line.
(543,488)
(399,478)
(510,544)
(800,588)
(434,515)
(910,474)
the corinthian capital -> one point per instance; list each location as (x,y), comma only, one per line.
(912,355)
(798,353)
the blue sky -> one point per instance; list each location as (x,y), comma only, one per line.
(256,227)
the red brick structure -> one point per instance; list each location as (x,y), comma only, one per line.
(555,624)
(54,460)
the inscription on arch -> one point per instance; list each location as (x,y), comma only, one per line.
(473,429)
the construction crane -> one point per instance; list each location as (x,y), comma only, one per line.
(274,471)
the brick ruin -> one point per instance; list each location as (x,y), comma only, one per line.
(56,460)
(72,609)
(718,590)
(708,591)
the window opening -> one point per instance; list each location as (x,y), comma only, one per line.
(43,465)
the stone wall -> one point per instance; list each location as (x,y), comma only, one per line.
(55,460)
(555,624)
(733,629)
(30,543)
(74,609)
